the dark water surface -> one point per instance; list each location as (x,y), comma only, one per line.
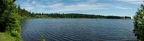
(64,29)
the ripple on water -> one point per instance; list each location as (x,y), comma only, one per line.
(77,30)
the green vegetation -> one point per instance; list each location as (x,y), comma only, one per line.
(23,13)
(139,23)
(10,16)
(9,19)
(6,37)
(74,15)
(26,14)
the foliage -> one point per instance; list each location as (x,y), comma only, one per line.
(139,23)
(9,18)
(26,14)
(6,37)
(23,13)
(74,15)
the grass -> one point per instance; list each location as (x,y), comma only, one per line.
(6,37)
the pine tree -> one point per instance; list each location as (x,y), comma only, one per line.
(139,23)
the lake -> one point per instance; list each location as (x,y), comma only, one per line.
(76,29)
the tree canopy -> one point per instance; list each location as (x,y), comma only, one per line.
(139,23)
(9,18)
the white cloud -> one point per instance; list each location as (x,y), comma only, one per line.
(132,1)
(88,1)
(83,7)
(27,6)
(56,6)
(55,1)
(28,1)
(120,7)
(33,2)
(79,6)
(62,7)
(77,0)
(85,0)
(91,1)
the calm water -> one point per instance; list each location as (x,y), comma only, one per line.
(63,29)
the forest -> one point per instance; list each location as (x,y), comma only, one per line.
(11,14)
(75,15)
(26,14)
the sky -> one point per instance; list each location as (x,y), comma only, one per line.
(96,7)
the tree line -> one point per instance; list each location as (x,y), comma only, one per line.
(24,13)
(11,14)
(75,15)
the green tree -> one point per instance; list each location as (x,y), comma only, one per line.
(6,7)
(9,18)
(139,23)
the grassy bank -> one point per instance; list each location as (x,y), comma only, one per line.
(6,37)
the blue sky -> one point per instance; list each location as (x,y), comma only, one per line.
(97,7)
